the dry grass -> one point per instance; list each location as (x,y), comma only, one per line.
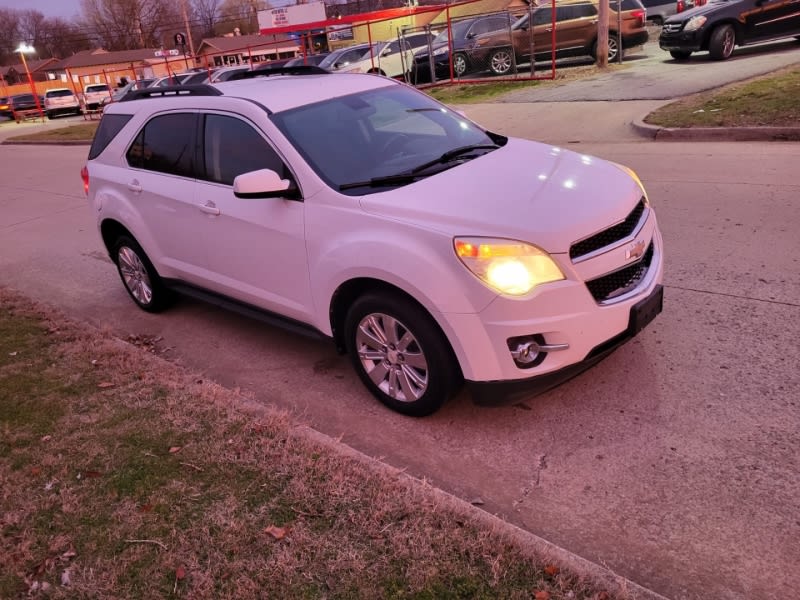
(84,132)
(770,100)
(124,476)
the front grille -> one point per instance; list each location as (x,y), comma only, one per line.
(622,281)
(609,236)
(672,27)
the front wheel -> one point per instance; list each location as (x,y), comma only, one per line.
(680,54)
(501,61)
(722,41)
(400,354)
(140,278)
(459,64)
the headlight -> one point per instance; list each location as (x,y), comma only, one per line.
(508,266)
(695,23)
(635,177)
(440,51)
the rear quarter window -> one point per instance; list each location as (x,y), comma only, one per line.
(110,126)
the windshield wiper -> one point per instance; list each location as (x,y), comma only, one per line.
(450,155)
(415,173)
(386,180)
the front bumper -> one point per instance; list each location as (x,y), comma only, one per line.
(691,41)
(492,393)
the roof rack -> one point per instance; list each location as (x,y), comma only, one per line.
(172,90)
(267,71)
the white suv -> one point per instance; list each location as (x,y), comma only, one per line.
(61,101)
(354,206)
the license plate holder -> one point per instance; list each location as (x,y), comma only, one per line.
(644,311)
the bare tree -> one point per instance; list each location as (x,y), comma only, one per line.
(129,24)
(206,15)
(61,38)
(9,33)
(241,14)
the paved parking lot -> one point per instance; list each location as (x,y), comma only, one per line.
(674,462)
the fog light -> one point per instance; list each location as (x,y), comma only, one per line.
(530,350)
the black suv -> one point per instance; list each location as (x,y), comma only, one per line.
(464,33)
(722,24)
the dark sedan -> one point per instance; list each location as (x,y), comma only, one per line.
(19,102)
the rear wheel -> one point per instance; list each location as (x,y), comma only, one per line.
(400,354)
(722,41)
(139,276)
(50,114)
(680,54)
(459,64)
(501,61)
(613,47)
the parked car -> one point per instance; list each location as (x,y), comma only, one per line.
(360,209)
(225,73)
(95,95)
(118,93)
(659,10)
(389,58)
(20,102)
(5,107)
(198,77)
(575,34)
(464,33)
(308,59)
(59,101)
(720,26)
(341,58)
(684,5)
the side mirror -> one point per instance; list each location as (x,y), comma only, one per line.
(264,183)
(470,35)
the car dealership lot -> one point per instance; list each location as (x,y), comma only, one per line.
(673,462)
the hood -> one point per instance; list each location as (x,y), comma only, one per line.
(525,190)
(710,7)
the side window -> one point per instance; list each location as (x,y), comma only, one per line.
(166,145)
(232,147)
(110,126)
(543,16)
(587,10)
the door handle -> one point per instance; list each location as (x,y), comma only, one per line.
(135,186)
(209,209)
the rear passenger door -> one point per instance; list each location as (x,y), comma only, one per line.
(161,187)
(256,247)
(770,18)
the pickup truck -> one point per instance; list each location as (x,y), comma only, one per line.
(94,95)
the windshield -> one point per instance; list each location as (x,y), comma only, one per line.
(383,132)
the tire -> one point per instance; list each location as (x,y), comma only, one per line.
(722,42)
(459,64)
(139,277)
(50,114)
(680,54)
(501,61)
(613,47)
(400,354)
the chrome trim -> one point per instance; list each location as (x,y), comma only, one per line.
(619,243)
(646,281)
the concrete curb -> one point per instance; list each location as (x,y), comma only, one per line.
(46,143)
(716,134)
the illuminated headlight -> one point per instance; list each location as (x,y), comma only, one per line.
(510,267)
(440,51)
(695,23)
(635,177)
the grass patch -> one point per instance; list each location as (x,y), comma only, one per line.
(84,132)
(770,100)
(131,478)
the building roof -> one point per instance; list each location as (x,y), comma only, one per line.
(33,66)
(99,57)
(240,42)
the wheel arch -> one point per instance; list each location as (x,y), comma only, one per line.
(737,31)
(348,291)
(111,230)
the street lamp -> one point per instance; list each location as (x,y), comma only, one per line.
(24,49)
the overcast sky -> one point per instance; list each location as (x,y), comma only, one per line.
(49,8)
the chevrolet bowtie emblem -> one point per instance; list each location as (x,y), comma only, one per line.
(635,250)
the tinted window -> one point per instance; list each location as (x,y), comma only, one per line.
(58,93)
(575,11)
(166,145)
(110,126)
(543,16)
(232,147)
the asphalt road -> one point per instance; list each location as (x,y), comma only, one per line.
(673,463)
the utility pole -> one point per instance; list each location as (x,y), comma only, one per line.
(602,35)
(188,30)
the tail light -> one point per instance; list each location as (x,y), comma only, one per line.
(85,177)
(681,6)
(640,16)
